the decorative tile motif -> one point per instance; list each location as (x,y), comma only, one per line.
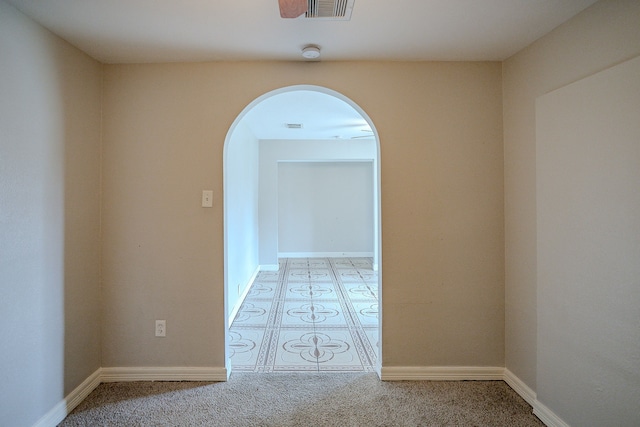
(371,311)
(312,290)
(364,291)
(249,311)
(314,314)
(268,276)
(307,275)
(261,290)
(316,347)
(243,346)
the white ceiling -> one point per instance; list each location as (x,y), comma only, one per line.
(143,31)
(135,31)
(322,116)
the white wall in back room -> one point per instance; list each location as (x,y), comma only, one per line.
(325,208)
(274,152)
(241,189)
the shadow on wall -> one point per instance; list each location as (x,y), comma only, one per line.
(50,192)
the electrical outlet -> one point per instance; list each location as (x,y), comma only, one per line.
(161,328)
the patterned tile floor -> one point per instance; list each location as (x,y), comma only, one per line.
(314,314)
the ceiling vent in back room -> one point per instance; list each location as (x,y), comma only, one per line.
(330,10)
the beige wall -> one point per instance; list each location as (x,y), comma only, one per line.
(50,106)
(442,201)
(440,126)
(588,186)
(603,35)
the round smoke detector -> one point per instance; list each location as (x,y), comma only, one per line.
(311,52)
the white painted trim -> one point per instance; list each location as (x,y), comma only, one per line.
(73,399)
(269,267)
(410,373)
(163,374)
(377,254)
(241,298)
(83,390)
(54,416)
(520,387)
(465,373)
(442,373)
(325,254)
(547,416)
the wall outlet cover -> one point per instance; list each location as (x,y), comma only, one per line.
(161,328)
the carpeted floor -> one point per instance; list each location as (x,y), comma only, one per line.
(304,399)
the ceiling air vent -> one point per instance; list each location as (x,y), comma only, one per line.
(331,10)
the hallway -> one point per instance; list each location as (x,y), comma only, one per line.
(313,315)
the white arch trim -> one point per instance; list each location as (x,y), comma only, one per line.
(377,202)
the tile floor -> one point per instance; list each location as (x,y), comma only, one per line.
(314,315)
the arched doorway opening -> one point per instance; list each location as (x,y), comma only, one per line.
(280,139)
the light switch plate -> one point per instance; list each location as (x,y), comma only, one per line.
(207,198)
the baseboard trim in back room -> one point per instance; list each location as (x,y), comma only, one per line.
(325,254)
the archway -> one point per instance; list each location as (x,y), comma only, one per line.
(249,221)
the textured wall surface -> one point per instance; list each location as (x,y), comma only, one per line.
(50,106)
(603,35)
(440,126)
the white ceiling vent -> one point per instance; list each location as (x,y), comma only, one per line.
(330,10)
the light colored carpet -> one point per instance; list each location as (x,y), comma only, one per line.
(304,399)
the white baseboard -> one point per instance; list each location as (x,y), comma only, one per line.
(547,416)
(83,390)
(463,373)
(163,374)
(441,373)
(520,387)
(54,416)
(63,408)
(104,375)
(325,254)
(410,373)
(269,267)
(241,298)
